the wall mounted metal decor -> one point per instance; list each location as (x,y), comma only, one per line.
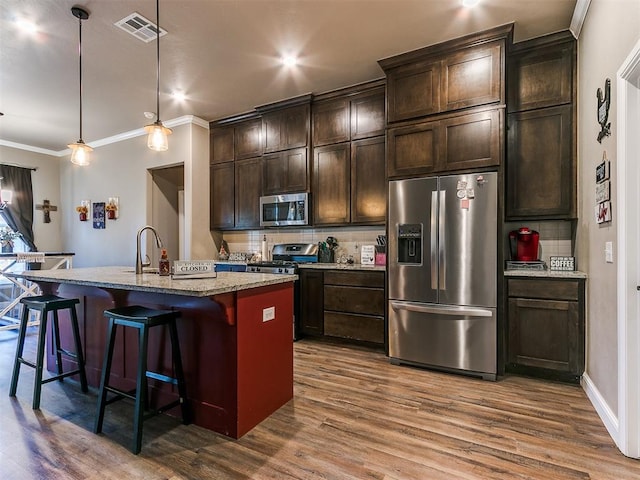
(604,102)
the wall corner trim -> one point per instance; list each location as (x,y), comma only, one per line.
(602,407)
(579,14)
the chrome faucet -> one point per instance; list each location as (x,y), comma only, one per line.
(139,263)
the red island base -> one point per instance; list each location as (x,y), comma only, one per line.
(237,350)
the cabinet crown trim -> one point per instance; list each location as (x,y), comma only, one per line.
(497,33)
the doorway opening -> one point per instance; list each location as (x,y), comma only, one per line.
(167,215)
(628,177)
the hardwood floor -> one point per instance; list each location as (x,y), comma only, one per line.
(353,416)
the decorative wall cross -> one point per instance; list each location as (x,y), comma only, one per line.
(46,207)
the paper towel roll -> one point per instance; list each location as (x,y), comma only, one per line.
(265,250)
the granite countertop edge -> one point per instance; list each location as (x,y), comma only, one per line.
(123,278)
(545,273)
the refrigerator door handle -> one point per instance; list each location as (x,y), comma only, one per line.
(434,240)
(441,309)
(442,264)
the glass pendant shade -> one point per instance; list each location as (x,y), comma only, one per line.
(80,153)
(157,138)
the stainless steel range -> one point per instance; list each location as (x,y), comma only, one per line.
(285,260)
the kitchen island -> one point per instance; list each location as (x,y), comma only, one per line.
(235,337)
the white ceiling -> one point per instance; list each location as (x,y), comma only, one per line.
(221,53)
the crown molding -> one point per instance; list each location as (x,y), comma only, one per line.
(29,148)
(579,14)
(138,132)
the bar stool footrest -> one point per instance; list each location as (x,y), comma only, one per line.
(162,378)
(61,376)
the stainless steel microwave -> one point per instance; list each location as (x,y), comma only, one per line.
(284,210)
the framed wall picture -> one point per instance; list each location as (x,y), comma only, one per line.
(99,215)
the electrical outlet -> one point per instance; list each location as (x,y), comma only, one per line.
(268,314)
(608,252)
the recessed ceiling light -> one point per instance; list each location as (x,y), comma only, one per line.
(27,26)
(289,60)
(179,96)
(149,115)
(470,3)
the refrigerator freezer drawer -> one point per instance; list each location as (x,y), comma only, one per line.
(444,337)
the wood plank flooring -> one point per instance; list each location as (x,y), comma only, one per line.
(353,416)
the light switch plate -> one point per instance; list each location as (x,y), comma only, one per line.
(268,314)
(608,252)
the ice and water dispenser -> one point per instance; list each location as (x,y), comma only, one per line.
(410,243)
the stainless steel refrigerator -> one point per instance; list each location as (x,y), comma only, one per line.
(443,273)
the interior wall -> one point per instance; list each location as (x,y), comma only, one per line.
(48,236)
(121,170)
(610,30)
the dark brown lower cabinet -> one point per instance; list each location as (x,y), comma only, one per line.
(311,321)
(545,320)
(343,304)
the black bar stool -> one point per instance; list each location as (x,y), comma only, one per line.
(141,318)
(45,304)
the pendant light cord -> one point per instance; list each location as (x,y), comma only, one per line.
(158,61)
(80,65)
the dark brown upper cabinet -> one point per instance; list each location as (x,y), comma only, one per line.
(462,73)
(286,128)
(331,122)
(222,206)
(541,73)
(285,172)
(541,166)
(248,139)
(248,188)
(346,115)
(367,114)
(368,183)
(413,91)
(221,145)
(541,176)
(412,149)
(331,184)
(473,140)
(474,76)
(447,143)
(236,172)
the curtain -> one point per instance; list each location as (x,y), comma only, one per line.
(19,213)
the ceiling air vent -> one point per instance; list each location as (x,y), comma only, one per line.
(140,27)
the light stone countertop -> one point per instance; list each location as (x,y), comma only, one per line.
(343,266)
(124,278)
(545,274)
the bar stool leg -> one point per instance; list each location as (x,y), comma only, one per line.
(19,350)
(104,379)
(141,389)
(177,362)
(56,343)
(42,335)
(78,346)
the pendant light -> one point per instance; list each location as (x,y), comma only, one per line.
(157,139)
(80,151)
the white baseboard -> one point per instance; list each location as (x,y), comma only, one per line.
(603,410)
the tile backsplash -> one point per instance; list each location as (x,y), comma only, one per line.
(350,239)
(556,237)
